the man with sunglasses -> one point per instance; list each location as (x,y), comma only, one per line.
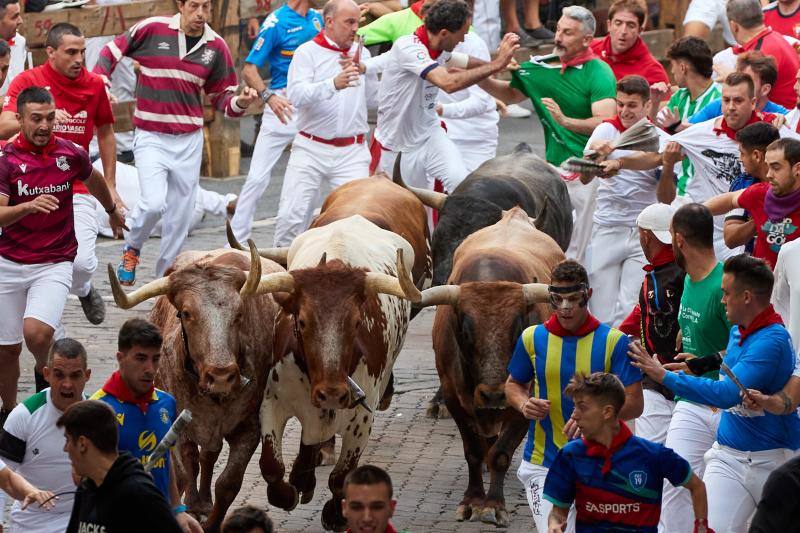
(545,358)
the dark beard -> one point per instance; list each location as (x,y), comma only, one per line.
(680,259)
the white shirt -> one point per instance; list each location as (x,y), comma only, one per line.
(792,118)
(786,291)
(322,110)
(30,432)
(407,101)
(622,197)
(17,61)
(470,114)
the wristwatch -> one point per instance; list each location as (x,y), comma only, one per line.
(111,209)
(265,94)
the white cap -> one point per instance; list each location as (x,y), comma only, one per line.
(657,218)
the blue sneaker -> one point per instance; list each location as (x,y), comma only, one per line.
(126,270)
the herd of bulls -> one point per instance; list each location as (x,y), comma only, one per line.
(253,338)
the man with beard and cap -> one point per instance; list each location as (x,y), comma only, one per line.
(33,445)
(572,91)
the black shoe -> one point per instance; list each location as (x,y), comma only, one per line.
(126,157)
(41,383)
(93,306)
(526,40)
(541,34)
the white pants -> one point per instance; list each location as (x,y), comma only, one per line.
(36,291)
(169,173)
(615,272)
(710,12)
(532,478)
(486,22)
(273,137)
(83,268)
(692,431)
(476,152)
(583,199)
(436,158)
(734,480)
(310,163)
(654,420)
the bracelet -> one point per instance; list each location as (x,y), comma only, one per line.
(178,509)
(113,207)
(265,94)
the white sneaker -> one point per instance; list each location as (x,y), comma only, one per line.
(517,111)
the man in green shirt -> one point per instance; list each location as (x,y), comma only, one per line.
(387,28)
(572,91)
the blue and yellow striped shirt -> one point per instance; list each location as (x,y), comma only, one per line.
(550,362)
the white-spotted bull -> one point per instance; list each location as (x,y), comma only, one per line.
(217,353)
(497,288)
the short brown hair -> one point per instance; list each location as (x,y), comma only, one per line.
(764,66)
(68,349)
(636,7)
(94,420)
(602,386)
(368,475)
(634,84)
(569,271)
(751,274)
(696,52)
(738,78)
(790,147)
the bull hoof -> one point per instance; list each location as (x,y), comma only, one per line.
(500,517)
(444,412)
(282,495)
(385,402)
(432,411)
(463,512)
(332,518)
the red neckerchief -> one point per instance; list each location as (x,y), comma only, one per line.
(760,35)
(755,117)
(24,145)
(584,57)
(554,326)
(765,318)
(79,88)
(666,255)
(416,7)
(616,122)
(11,41)
(595,449)
(389,529)
(422,35)
(321,40)
(632,55)
(117,388)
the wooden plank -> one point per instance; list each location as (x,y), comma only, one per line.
(658,41)
(95,21)
(260,8)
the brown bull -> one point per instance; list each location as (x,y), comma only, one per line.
(217,353)
(496,289)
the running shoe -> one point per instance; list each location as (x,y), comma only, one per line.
(126,270)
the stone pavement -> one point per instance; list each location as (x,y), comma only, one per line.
(424,457)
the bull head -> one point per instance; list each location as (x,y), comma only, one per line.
(209,314)
(334,310)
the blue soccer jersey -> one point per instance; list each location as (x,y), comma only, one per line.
(280,35)
(627,497)
(551,361)
(139,432)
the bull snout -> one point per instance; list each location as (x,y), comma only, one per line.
(220,379)
(331,396)
(490,396)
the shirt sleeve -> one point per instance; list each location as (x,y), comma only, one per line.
(621,365)
(14,88)
(520,368)
(268,37)
(158,517)
(381,30)
(222,84)
(414,57)
(301,89)
(750,196)
(5,177)
(674,468)
(124,44)
(14,435)
(712,110)
(604,86)
(84,168)
(559,485)
(105,114)
(772,107)
(632,325)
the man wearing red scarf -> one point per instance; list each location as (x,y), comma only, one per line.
(749,444)
(587,471)
(623,48)
(82,106)
(571,340)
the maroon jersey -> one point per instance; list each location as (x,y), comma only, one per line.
(24,175)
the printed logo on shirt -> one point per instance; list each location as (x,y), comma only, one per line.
(147,441)
(86,527)
(778,232)
(23,167)
(615,508)
(421,56)
(164,415)
(727,165)
(24,189)
(294,30)
(637,480)
(61,162)
(269,22)
(121,418)
(259,43)
(163,45)
(316,24)
(208,56)
(81,114)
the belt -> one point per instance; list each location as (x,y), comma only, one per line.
(339,141)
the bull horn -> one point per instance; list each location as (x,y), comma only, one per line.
(441,295)
(275,282)
(430,198)
(254,274)
(538,222)
(401,286)
(155,288)
(279,255)
(535,293)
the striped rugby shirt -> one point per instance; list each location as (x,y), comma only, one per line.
(550,361)
(168,98)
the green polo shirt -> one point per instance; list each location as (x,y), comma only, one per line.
(388,28)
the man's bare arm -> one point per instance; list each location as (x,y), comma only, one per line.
(9,125)
(107,144)
(634,402)
(502,90)
(723,203)
(601,110)
(697,490)
(738,232)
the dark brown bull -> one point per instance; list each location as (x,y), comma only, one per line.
(217,353)
(496,289)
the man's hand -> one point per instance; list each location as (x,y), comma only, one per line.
(571,430)
(44,498)
(501,106)
(248,96)
(62,116)
(610,167)
(659,91)
(667,117)
(535,408)
(555,525)
(674,367)
(779,121)
(117,222)
(721,71)
(252,27)
(281,106)
(44,203)
(439,109)
(188,523)
(117,199)
(673,153)
(603,148)
(648,364)
(554,109)
(505,52)
(347,77)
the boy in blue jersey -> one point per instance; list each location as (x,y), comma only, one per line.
(546,356)
(282,32)
(613,477)
(750,444)
(144,413)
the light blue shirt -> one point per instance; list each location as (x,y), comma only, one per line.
(714,110)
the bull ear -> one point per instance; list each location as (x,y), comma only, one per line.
(254,274)
(126,301)
(441,295)
(401,286)
(541,215)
